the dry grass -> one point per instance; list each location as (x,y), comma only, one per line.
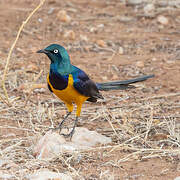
(136,129)
(143,129)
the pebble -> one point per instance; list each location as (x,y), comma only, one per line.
(93,30)
(62,16)
(149,9)
(101,43)
(51,10)
(140,64)
(70,35)
(100,26)
(162,20)
(83,38)
(121,50)
(40,20)
(53,144)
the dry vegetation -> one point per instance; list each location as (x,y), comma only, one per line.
(144,123)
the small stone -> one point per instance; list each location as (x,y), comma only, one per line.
(40,20)
(83,38)
(121,50)
(45,174)
(149,9)
(93,29)
(101,43)
(51,10)
(140,64)
(52,144)
(62,16)
(133,2)
(70,35)
(154,59)
(100,26)
(104,78)
(162,20)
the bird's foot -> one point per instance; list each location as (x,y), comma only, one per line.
(69,135)
(55,129)
(60,124)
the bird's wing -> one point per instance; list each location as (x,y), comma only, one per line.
(85,86)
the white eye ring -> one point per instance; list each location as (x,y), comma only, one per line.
(55,51)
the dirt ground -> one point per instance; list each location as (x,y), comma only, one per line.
(110,40)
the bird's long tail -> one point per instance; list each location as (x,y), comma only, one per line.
(121,84)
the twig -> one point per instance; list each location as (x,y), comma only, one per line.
(12,47)
(3,100)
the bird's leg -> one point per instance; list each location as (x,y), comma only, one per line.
(73,129)
(62,122)
(78,112)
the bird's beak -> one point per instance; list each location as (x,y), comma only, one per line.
(43,51)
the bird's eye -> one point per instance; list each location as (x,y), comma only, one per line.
(56,51)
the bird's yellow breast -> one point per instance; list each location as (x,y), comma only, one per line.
(68,95)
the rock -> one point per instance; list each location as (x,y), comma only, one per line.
(51,10)
(140,64)
(45,174)
(83,38)
(93,30)
(133,2)
(53,144)
(70,35)
(62,16)
(121,50)
(149,9)
(177,178)
(162,20)
(101,43)
(100,26)
(40,20)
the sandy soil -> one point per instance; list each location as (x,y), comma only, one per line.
(110,40)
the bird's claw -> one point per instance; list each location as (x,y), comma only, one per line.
(56,128)
(68,135)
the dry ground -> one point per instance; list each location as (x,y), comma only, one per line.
(144,123)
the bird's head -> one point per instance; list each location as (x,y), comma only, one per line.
(60,61)
(56,53)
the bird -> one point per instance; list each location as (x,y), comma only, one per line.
(73,86)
